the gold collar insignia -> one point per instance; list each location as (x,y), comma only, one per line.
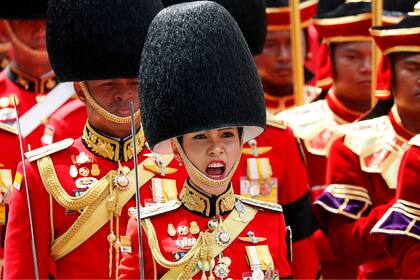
(32,84)
(209,206)
(111,148)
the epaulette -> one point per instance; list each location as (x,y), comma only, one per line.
(272,121)
(155,209)
(367,136)
(8,128)
(415,140)
(261,204)
(48,150)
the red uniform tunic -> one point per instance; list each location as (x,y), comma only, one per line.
(314,124)
(280,147)
(400,226)
(169,245)
(361,178)
(69,120)
(28,92)
(83,162)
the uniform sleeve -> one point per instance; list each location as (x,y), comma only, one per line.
(399,228)
(18,253)
(298,214)
(129,265)
(407,253)
(344,210)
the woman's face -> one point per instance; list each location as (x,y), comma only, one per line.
(214,153)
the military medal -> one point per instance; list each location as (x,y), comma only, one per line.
(95,170)
(82,158)
(171,230)
(213,223)
(84,171)
(85,182)
(221,270)
(125,246)
(185,243)
(194,229)
(182,230)
(258,274)
(251,238)
(222,238)
(121,181)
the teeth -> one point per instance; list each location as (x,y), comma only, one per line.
(216,165)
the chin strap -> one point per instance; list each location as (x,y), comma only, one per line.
(103,112)
(201,176)
(16,41)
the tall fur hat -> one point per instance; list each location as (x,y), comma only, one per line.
(97,39)
(197,74)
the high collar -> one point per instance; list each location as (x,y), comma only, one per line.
(397,124)
(206,205)
(31,84)
(342,113)
(277,104)
(112,148)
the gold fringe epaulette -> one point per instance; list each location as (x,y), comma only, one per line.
(415,140)
(272,121)
(48,150)
(261,204)
(156,209)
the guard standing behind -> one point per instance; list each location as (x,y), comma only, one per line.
(363,165)
(401,47)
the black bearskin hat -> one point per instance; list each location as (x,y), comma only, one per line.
(24,10)
(250,16)
(97,39)
(197,74)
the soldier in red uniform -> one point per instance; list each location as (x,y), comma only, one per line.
(81,233)
(398,225)
(363,165)
(69,120)
(344,69)
(29,76)
(209,233)
(271,168)
(275,62)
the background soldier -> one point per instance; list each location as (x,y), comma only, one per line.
(362,177)
(400,45)
(275,62)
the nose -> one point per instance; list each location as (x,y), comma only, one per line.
(125,93)
(216,148)
(366,66)
(283,53)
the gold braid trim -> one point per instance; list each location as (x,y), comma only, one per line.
(81,220)
(53,186)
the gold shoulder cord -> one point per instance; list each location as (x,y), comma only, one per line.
(53,186)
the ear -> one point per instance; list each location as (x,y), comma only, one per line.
(177,156)
(79,92)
